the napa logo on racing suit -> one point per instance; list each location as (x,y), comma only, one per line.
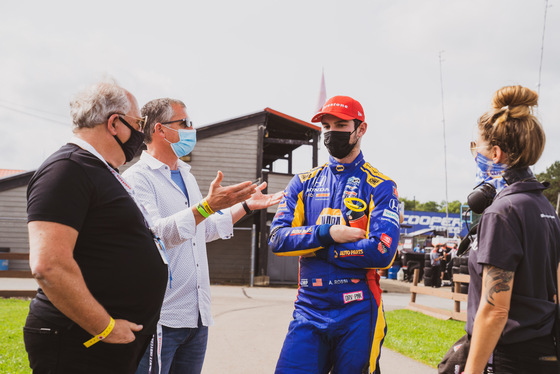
(330,216)
(351,252)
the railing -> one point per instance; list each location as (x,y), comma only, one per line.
(454,295)
(16,274)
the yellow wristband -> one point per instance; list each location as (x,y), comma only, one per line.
(102,335)
(201,210)
(207,208)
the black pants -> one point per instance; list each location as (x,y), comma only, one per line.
(529,357)
(55,350)
(436,276)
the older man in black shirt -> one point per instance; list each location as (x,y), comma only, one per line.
(101,273)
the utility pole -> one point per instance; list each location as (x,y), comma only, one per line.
(444,144)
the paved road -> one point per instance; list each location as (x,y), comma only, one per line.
(251,323)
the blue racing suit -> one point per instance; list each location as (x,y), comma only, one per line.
(338,319)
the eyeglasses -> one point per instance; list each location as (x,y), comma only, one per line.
(141,122)
(185,123)
(475,147)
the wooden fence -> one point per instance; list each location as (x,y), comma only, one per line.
(16,274)
(454,295)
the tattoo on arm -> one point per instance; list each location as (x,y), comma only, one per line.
(497,280)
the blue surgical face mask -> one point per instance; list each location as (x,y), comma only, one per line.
(490,172)
(186,143)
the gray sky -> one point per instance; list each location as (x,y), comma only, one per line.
(225,59)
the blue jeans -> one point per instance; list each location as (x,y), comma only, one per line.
(182,351)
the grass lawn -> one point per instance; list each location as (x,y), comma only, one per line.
(13,358)
(423,338)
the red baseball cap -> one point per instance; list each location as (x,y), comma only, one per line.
(343,107)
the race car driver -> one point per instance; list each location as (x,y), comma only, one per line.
(342,218)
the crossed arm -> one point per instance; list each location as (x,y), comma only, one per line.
(491,316)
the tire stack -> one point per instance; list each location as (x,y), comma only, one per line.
(428,271)
(410,267)
(461,266)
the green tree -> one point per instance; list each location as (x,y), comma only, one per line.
(409,204)
(551,175)
(429,206)
(453,207)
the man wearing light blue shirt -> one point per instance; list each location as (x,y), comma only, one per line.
(185,221)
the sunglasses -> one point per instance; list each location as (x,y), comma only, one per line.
(141,122)
(474,148)
(185,123)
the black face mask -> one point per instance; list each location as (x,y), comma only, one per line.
(338,143)
(131,146)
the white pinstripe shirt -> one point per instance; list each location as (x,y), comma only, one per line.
(185,242)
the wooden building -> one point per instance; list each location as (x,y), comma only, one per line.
(250,147)
(13,217)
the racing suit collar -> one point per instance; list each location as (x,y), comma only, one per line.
(337,167)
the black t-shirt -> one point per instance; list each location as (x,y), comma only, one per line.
(115,251)
(519,232)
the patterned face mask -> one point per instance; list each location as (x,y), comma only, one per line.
(490,172)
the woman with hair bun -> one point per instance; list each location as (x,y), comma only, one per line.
(514,263)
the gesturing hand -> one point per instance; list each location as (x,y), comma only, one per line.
(260,201)
(346,234)
(220,197)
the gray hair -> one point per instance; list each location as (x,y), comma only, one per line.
(95,104)
(158,111)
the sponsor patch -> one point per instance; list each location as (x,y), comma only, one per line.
(395,193)
(382,248)
(317,282)
(304,282)
(306,231)
(391,221)
(335,253)
(351,252)
(394,205)
(322,195)
(330,220)
(390,214)
(354,280)
(310,174)
(338,281)
(353,296)
(373,181)
(330,216)
(386,239)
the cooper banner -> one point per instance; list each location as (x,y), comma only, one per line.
(433,220)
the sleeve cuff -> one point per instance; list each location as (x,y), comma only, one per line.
(324,235)
(224,225)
